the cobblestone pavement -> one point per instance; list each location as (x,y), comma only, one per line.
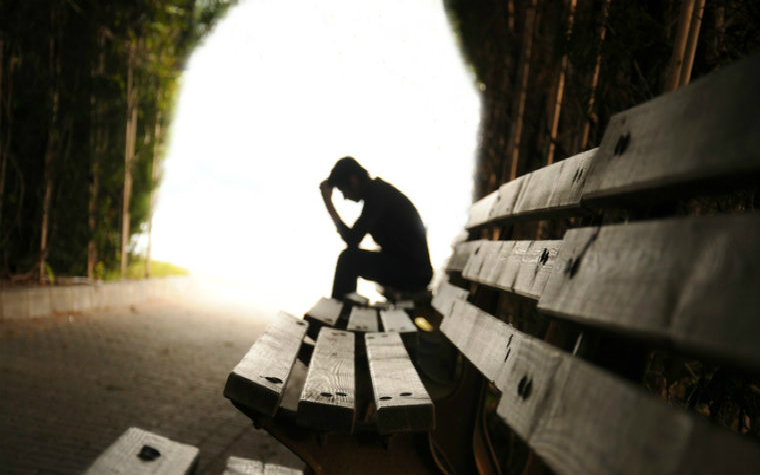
(71,384)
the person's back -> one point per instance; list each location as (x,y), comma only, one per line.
(403,261)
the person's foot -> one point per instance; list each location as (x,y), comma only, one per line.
(356,298)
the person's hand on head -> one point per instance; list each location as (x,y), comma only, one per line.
(326,190)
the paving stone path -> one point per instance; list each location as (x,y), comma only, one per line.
(71,384)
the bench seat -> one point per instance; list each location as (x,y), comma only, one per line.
(141,452)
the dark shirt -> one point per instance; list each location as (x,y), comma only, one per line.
(393,222)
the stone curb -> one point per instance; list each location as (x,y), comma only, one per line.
(38,302)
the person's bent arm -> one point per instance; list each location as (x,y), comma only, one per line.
(347,234)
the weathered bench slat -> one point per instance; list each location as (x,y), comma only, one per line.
(692,281)
(445,295)
(499,351)
(402,402)
(258,380)
(362,319)
(325,311)
(460,256)
(508,195)
(480,211)
(138,451)
(707,131)
(556,187)
(581,419)
(397,321)
(535,268)
(243,466)
(328,398)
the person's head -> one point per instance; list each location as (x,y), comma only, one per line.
(349,177)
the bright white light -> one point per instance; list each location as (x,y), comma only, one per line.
(274,97)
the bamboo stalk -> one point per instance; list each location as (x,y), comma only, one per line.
(129,151)
(559,90)
(691,45)
(590,116)
(679,46)
(518,110)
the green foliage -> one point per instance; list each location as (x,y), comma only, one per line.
(136,270)
(63,85)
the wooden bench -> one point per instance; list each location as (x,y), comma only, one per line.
(138,451)
(572,295)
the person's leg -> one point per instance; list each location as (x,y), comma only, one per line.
(384,268)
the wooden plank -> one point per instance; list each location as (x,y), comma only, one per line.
(581,419)
(328,399)
(362,319)
(445,295)
(138,451)
(397,321)
(401,399)
(536,266)
(556,187)
(271,468)
(459,257)
(325,311)
(690,281)
(492,267)
(507,198)
(258,380)
(480,211)
(243,466)
(483,252)
(510,265)
(596,423)
(704,131)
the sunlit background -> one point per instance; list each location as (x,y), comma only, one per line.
(271,100)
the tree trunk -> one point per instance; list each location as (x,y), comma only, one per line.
(155,166)
(691,45)
(590,116)
(97,148)
(679,46)
(518,110)
(129,152)
(559,89)
(3,161)
(50,151)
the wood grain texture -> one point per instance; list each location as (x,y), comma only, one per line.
(401,399)
(459,257)
(480,211)
(582,419)
(597,423)
(556,187)
(258,380)
(326,311)
(690,281)
(445,295)
(243,466)
(161,457)
(328,399)
(536,266)
(507,197)
(483,251)
(362,319)
(510,265)
(704,131)
(397,321)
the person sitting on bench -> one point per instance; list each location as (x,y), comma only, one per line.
(403,261)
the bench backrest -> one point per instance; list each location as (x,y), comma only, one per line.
(577,280)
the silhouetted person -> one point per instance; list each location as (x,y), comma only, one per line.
(403,261)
